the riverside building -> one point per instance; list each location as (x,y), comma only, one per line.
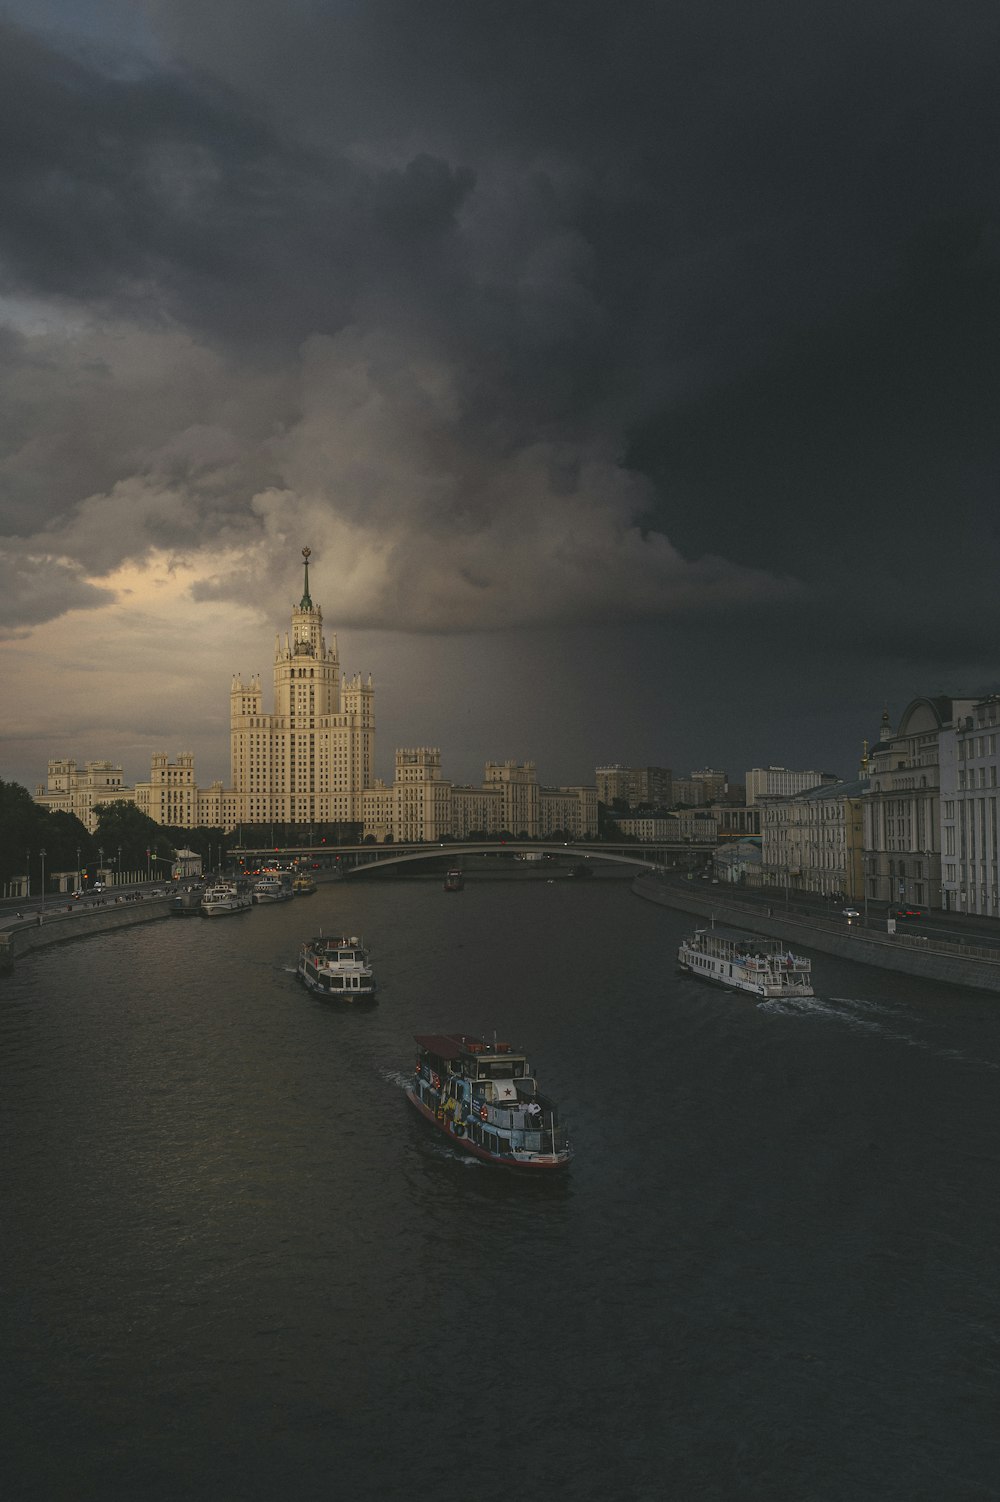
(902,810)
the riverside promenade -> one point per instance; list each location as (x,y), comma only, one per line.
(931,956)
(60,921)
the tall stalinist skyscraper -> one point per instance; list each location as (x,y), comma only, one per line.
(312,758)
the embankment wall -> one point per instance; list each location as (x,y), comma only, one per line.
(22,935)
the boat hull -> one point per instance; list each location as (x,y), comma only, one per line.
(349,997)
(459,1138)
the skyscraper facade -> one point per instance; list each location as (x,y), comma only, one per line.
(310,759)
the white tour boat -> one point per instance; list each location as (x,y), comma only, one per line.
(225,897)
(746,962)
(337,968)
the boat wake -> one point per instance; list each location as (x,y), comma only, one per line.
(833,1008)
(864,1016)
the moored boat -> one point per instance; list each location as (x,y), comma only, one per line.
(271,889)
(485,1099)
(454,881)
(303,885)
(747,962)
(337,968)
(225,897)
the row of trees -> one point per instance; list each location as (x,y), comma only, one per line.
(30,834)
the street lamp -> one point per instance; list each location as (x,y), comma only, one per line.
(77,868)
(42,857)
(100,861)
(27,867)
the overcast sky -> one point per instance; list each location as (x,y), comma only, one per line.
(630,369)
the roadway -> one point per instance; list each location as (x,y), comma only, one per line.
(962,927)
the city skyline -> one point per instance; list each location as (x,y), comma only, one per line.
(631,374)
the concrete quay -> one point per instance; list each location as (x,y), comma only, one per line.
(60,923)
(954,962)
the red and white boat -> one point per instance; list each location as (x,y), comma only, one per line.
(484,1098)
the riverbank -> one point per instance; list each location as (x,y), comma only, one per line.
(957,963)
(57,925)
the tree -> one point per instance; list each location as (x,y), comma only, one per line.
(125,827)
(26,829)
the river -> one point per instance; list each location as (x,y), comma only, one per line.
(238,1266)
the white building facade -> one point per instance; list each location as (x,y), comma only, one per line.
(969,768)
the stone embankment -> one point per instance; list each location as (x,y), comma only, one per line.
(59,923)
(932,958)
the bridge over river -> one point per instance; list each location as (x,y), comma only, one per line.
(358,860)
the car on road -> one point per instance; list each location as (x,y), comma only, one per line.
(851,912)
(907,912)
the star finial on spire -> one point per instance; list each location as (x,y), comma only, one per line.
(306,603)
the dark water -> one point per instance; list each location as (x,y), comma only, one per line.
(238,1266)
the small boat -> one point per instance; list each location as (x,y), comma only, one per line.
(186,903)
(271,889)
(337,968)
(746,962)
(303,885)
(454,881)
(225,897)
(484,1098)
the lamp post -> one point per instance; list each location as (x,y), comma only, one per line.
(119,865)
(77,868)
(100,863)
(27,867)
(41,854)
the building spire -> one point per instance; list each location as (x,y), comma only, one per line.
(306,603)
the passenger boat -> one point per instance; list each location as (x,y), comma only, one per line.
(337,968)
(454,881)
(746,962)
(271,889)
(484,1098)
(225,897)
(303,886)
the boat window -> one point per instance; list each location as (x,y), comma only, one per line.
(496,1069)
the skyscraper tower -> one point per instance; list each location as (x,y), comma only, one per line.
(312,758)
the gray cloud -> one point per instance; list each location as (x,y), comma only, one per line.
(520,315)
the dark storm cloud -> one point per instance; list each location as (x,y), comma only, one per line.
(482,256)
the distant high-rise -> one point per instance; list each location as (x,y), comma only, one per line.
(311,759)
(780,782)
(634,786)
